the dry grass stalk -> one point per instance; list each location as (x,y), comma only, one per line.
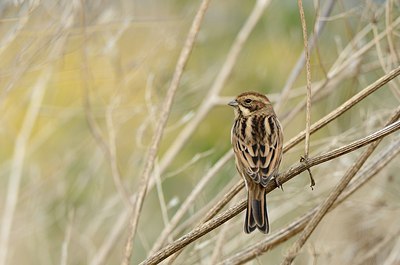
(150,158)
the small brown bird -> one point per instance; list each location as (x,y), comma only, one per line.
(257,141)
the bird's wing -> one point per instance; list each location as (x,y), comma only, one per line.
(258,148)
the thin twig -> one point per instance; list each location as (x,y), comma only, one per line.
(319,26)
(150,158)
(388,22)
(349,57)
(308,109)
(161,199)
(327,204)
(189,201)
(112,153)
(385,66)
(284,177)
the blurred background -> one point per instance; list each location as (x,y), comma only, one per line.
(81,89)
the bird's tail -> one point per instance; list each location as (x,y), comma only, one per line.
(256,212)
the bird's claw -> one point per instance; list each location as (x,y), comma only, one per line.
(278,184)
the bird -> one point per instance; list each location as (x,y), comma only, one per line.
(257,141)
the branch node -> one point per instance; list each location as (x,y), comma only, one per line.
(305,161)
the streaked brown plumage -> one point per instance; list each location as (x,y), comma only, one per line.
(257,142)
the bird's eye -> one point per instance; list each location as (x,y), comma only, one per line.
(248,101)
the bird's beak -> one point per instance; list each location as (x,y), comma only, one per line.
(233,103)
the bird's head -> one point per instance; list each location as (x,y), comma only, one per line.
(249,102)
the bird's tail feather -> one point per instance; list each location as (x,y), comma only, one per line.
(256,214)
